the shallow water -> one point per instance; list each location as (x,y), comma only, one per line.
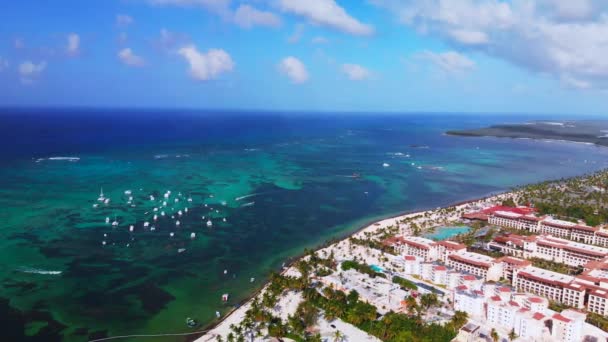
(289,181)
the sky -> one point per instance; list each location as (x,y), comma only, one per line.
(517,56)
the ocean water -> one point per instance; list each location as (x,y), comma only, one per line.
(281,181)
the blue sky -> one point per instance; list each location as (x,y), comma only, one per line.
(525,56)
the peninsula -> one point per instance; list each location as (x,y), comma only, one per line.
(588,131)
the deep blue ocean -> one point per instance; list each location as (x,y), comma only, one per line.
(269,183)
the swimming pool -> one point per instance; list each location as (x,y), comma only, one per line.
(443,233)
(377,268)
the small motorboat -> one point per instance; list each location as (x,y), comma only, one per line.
(191,322)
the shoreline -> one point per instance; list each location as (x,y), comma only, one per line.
(372,225)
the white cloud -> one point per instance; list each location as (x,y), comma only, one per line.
(206,66)
(326,13)
(319,40)
(128,57)
(168,40)
(564,38)
(450,61)
(247,17)
(297,34)
(123,20)
(356,72)
(29,71)
(73,47)
(294,69)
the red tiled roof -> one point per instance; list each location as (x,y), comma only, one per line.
(535,300)
(514,261)
(461,287)
(538,316)
(440,268)
(451,245)
(479,292)
(394,240)
(561,318)
(469,277)
(415,244)
(513,303)
(410,257)
(495,298)
(541,279)
(600,293)
(460,258)
(518,210)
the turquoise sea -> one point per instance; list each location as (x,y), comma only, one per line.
(281,181)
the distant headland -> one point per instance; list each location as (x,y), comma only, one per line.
(595,132)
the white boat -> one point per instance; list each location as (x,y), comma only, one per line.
(162,213)
(151,198)
(177,223)
(152,228)
(176,200)
(225,271)
(155,209)
(386,165)
(166,195)
(179,212)
(146,224)
(164,203)
(224,219)
(185,210)
(107,219)
(106,201)
(209,223)
(192,235)
(101,196)
(171,234)
(225,297)
(189,199)
(251,280)
(115,223)
(103,243)
(105,235)
(131,227)
(95,205)
(128,192)
(155,217)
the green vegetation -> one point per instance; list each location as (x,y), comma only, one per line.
(578,198)
(361,268)
(598,321)
(375,244)
(404,283)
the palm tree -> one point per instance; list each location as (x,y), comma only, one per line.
(338,336)
(494,335)
(512,335)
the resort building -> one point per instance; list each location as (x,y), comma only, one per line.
(552,285)
(418,246)
(515,220)
(471,302)
(568,326)
(568,252)
(508,264)
(598,302)
(549,248)
(477,264)
(446,248)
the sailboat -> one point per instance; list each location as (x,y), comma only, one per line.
(101,197)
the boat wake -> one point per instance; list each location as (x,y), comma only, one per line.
(246,196)
(70,159)
(248,204)
(38,271)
